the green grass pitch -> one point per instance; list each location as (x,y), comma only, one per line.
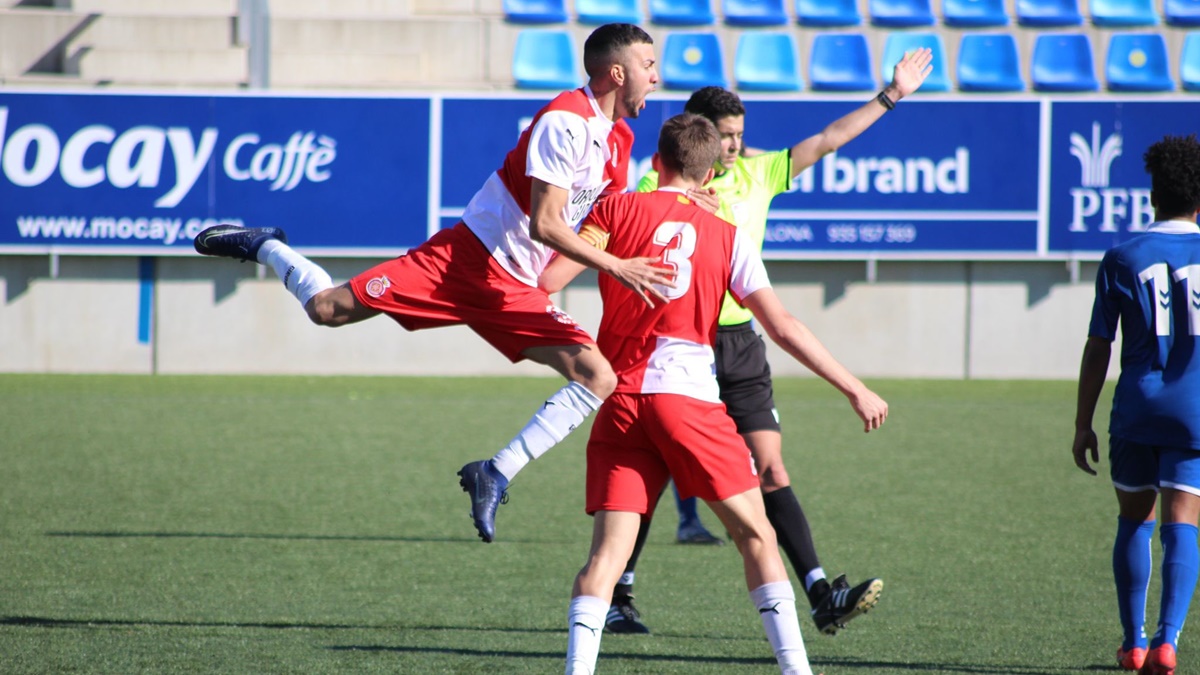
(315,525)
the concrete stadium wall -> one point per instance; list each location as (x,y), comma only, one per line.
(944,319)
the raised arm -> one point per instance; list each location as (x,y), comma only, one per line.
(546,225)
(797,340)
(1093,369)
(907,76)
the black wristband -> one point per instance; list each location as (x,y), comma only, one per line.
(885,101)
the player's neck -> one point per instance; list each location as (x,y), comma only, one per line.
(1159,216)
(678,184)
(605,100)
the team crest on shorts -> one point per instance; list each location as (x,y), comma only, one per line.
(561,316)
(378,286)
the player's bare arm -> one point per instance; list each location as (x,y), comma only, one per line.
(907,77)
(546,225)
(1092,371)
(797,340)
(560,272)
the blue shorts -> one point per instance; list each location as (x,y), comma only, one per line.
(1137,467)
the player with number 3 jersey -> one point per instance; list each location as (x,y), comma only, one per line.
(665,419)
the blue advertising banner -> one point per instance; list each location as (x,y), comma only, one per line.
(141,174)
(957,176)
(145,173)
(1099,189)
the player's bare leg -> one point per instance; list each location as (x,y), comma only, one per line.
(306,280)
(590,381)
(745,518)
(613,534)
(337,307)
(832,604)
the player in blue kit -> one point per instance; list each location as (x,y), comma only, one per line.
(1150,285)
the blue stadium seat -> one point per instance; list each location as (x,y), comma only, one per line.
(1123,13)
(600,12)
(766,62)
(1189,62)
(827,13)
(900,43)
(1049,13)
(682,12)
(1138,62)
(692,60)
(754,13)
(535,11)
(1063,62)
(989,62)
(900,13)
(840,62)
(974,13)
(1182,13)
(545,59)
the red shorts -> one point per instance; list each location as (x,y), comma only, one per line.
(452,280)
(638,441)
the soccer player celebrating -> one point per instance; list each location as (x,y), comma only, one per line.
(1149,285)
(483,272)
(666,419)
(745,187)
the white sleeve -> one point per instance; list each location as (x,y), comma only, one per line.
(749,272)
(555,145)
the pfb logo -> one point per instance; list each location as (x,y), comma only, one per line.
(1095,199)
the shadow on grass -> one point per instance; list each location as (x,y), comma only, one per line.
(557,656)
(273,537)
(969,668)
(608,654)
(865,665)
(45,622)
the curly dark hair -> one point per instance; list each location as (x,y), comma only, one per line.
(1174,167)
(714,103)
(604,45)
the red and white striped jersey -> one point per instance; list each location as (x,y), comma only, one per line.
(571,145)
(668,348)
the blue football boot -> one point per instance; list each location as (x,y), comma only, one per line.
(233,241)
(486,487)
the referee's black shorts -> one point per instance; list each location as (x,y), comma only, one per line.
(745,378)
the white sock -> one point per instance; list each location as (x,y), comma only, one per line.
(302,277)
(559,416)
(776,604)
(585,621)
(813,577)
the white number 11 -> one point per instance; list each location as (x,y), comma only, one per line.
(1159,279)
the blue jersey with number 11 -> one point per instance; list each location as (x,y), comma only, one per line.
(1151,284)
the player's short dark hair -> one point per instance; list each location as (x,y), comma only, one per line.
(603,47)
(689,145)
(1174,167)
(714,103)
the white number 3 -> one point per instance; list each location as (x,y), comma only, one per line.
(680,240)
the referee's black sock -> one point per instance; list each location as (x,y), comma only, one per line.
(791,529)
(624,587)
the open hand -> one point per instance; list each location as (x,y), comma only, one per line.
(705,198)
(911,71)
(642,275)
